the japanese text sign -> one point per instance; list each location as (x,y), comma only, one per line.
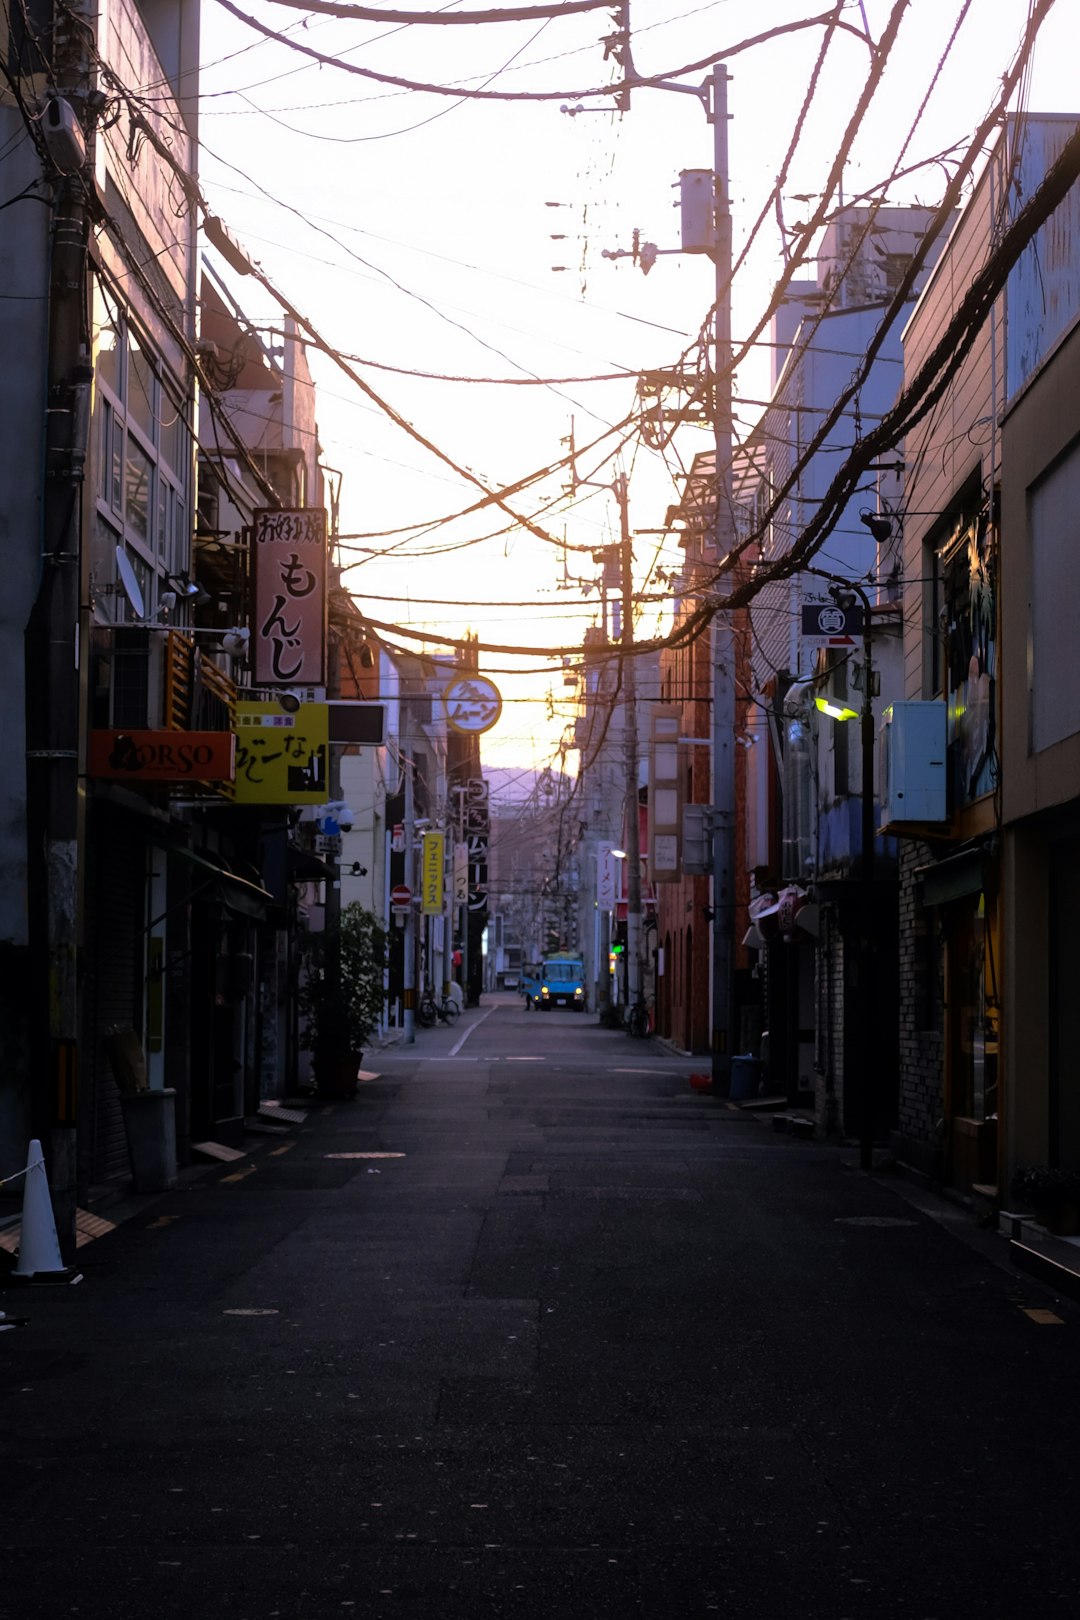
(288,561)
(281,758)
(461,874)
(431,866)
(473,703)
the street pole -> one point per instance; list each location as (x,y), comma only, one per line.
(54,803)
(723,644)
(867,976)
(468,892)
(408,966)
(332,901)
(630,742)
(867,983)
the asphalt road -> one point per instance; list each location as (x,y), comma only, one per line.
(583,1343)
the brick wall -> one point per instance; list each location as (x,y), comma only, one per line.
(922,1046)
(829,1058)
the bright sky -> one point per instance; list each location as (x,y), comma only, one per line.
(417,232)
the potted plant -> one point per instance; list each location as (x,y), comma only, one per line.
(1053,1194)
(341,997)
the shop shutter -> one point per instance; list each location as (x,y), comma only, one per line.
(115,956)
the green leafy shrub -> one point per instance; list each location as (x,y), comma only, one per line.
(1044,1188)
(341,991)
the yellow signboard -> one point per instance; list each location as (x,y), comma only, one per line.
(431,880)
(282,758)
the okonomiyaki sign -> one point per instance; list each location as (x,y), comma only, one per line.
(289,565)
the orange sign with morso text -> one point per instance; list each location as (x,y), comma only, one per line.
(163,756)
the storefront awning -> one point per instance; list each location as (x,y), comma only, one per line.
(240,895)
(952,878)
(304,867)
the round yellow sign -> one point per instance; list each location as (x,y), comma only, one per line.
(473,703)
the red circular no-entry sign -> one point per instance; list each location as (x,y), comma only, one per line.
(400,895)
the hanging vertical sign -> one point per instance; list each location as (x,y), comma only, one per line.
(477,830)
(431,874)
(605,878)
(461,874)
(288,564)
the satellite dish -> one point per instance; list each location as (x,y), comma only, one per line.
(131,586)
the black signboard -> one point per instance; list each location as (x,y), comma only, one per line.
(824,621)
(357,722)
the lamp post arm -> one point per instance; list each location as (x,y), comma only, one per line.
(867,834)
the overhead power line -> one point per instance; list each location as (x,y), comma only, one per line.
(617,87)
(916,401)
(560,8)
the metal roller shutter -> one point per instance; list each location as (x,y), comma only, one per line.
(115,972)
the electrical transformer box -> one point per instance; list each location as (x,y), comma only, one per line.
(912,760)
(697,208)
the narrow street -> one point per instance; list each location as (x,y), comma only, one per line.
(532,1329)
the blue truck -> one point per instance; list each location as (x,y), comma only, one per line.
(557,981)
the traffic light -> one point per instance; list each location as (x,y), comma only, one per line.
(618,943)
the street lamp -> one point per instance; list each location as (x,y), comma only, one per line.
(845,593)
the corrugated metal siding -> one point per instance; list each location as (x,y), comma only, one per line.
(772,629)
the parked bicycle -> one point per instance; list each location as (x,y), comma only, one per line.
(637,1019)
(429,1011)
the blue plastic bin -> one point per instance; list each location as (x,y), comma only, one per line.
(745,1078)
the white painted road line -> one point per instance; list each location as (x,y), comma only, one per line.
(454,1050)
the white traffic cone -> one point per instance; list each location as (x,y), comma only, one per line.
(39,1258)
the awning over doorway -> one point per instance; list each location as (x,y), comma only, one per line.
(304,867)
(953,878)
(243,896)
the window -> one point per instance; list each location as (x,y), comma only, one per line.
(142,447)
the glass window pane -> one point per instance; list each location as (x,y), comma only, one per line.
(181,539)
(161,528)
(116,464)
(103,418)
(107,594)
(173,433)
(144,577)
(106,344)
(137,482)
(140,389)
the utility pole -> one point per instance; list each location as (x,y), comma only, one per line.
(713,95)
(867,978)
(723,647)
(408,966)
(54,807)
(332,901)
(630,743)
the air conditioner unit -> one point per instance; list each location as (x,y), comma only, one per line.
(912,742)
